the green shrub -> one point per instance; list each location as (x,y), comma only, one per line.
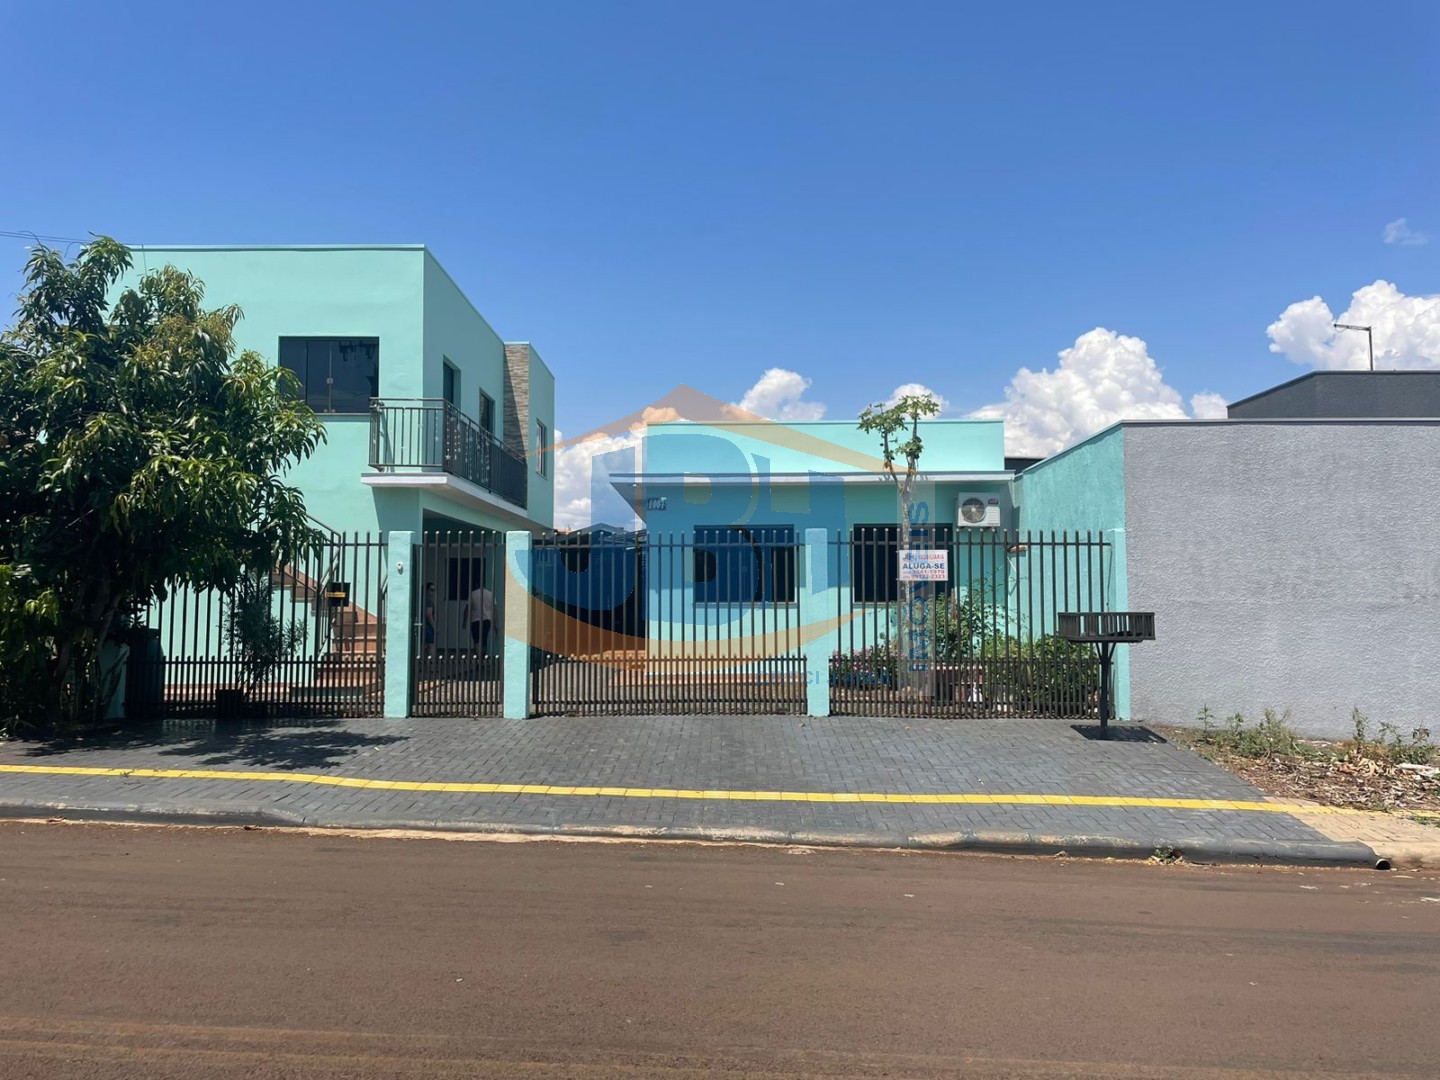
(1390,746)
(257,636)
(966,623)
(1054,675)
(29,616)
(1271,737)
(872,668)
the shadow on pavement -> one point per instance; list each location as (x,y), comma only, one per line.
(1118,733)
(284,744)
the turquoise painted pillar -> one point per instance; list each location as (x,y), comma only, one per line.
(399,621)
(818,608)
(1117,576)
(517,626)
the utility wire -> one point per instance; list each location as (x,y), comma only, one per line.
(41,238)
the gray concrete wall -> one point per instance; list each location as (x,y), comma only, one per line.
(1290,565)
(1346,395)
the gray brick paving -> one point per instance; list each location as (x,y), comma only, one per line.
(840,754)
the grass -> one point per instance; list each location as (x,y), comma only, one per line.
(1273,736)
(1390,747)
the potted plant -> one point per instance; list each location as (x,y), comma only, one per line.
(258,638)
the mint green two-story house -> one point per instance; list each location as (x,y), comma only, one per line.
(432,420)
(434,425)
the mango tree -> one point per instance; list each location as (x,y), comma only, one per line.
(137,454)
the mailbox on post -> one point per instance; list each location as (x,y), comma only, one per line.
(1105,630)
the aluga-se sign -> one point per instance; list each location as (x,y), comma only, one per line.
(925,564)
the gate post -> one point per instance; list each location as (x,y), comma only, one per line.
(399,618)
(1117,582)
(818,605)
(516,643)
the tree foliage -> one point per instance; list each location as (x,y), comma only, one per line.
(256,634)
(898,426)
(137,453)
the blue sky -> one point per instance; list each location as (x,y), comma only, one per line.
(861,194)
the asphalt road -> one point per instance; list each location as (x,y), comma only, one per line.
(198,954)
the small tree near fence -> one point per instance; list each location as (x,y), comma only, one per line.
(259,637)
(898,425)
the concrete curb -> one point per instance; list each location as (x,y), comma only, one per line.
(988,841)
(1401,855)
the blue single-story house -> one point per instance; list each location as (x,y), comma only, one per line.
(1288,551)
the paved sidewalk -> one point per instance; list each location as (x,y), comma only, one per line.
(1023,785)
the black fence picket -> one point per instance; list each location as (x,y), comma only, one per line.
(657,623)
(982,642)
(457,636)
(305,639)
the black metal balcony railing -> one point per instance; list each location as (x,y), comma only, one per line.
(429,433)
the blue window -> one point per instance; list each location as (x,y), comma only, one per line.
(744,565)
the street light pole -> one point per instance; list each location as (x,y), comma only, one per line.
(1369,337)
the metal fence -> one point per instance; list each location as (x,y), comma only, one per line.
(304,640)
(981,641)
(655,623)
(457,638)
(431,433)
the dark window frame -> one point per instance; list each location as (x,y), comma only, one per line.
(774,549)
(298,353)
(487,413)
(462,574)
(542,448)
(875,559)
(450,383)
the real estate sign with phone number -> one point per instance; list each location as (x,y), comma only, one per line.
(924,564)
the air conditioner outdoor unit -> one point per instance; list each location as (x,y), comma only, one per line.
(977,511)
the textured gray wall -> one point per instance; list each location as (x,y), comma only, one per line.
(1346,394)
(1289,565)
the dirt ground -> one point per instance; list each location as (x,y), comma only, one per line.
(1332,773)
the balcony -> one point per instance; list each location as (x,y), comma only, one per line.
(431,435)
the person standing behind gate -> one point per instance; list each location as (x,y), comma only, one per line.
(480,610)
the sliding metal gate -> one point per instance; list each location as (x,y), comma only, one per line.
(665,624)
(457,637)
(983,641)
(305,640)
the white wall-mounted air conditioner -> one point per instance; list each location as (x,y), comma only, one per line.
(977,511)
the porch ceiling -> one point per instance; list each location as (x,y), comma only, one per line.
(453,488)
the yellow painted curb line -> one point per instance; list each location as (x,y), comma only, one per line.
(905,798)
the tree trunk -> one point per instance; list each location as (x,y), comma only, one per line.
(914,602)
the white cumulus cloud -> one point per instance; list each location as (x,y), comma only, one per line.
(1406,330)
(576,469)
(1208,406)
(915,389)
(1102,378)
(1400,232)
(779,394)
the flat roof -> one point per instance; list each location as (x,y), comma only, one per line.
(1242,421)
(1365,373)
(1180,422)
(279,247)
(621,481)
(852,424)
(349,247)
